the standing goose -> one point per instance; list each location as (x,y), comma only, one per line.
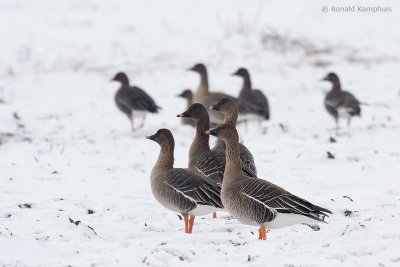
(132,100)
(181,190)
(339,103)
(230,111)
(251,102)
(202,159)
(209,162)
(254,201)
(204,96)
(188,95)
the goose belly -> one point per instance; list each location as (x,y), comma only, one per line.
(172,199)
(344,113)
(287,219)
(203,210)
(139,113)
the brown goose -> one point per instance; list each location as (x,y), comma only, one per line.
(204,96)
(132,100)
(202,159)
(339,103)
(181,190)
(188,95)
(254,201)
(230,111)
(251,102)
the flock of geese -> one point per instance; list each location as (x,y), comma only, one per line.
(225,177)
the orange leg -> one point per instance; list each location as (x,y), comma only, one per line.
(186,220)
(214,215)
(262,233)
(191,222)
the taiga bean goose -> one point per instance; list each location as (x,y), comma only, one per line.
(209,162)
(339,103)
(251,102)
(254,201)
(230,111)
(202,159)
(181,190)
(188,95)
(132,100)
(204,96)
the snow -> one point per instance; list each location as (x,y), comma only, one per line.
(65,148)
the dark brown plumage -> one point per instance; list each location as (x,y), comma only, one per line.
(340,103)
(132,100)
(230,111)
(209,162)
(254,201)
(179,189)
(205,97)
(251,101)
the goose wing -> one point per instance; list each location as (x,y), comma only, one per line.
(254,102)
(248,161)
(137,99)
(213,164)
(275,198)
(200,189)
(343,99)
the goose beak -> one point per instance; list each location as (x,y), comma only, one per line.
(325,79)
(212,132)
(151,137)
(190,69)
(234,74)
(184,114)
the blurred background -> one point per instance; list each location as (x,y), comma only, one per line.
(65,148)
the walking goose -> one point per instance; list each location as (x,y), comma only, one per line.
(254,201)
(230,111)
(204,96)
(132,100)
(251,102)
(339,103)
(188,95)
(181,190)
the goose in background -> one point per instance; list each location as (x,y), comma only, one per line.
(340,103)
(132,100)
(227,107)
(188,95)
(252,103)
(178,189)
(204,96)
(257,202)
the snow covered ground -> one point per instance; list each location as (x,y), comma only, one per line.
(74,181)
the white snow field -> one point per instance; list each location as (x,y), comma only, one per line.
(66,151)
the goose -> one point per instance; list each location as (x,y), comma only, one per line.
(188,95)
(178,189)
(132,100)
(202,159)
(340,103)
(255,201)
(230,111)
(251,102)
(204,96)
